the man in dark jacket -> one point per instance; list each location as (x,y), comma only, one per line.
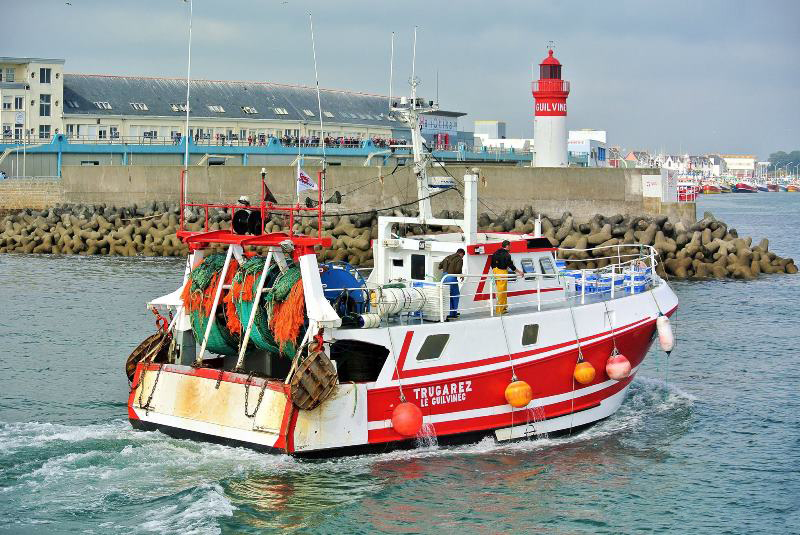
(451,267)
(501,264)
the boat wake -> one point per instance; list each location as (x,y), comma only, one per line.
(51,472)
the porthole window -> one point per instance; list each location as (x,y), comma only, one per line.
(530,334)
(433,346)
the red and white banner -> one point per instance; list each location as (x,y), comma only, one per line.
(304,182)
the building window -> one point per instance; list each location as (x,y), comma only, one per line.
(102,133)
(102,105)
(433,346)
(44,75)
(70,130)
(138,106)
(6,103)
(44,105)
(19,102)
(10,74)
(114,132)
(249,109)
(216,109)
(7,130)
(281,111)
(601,154)
(18,131)
(530,334)
(44,131)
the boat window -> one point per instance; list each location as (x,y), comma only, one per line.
(397,262)
(547,265)
(433,346)
(418,266)
(530,334)
(528,268)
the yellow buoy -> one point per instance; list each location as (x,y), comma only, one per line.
(584,373)
(519,394)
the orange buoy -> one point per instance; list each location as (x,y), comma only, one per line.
(618,367)
(518,394)
(407,419)
(584,372)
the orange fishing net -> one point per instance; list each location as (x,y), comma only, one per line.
(197,300)
(289,316)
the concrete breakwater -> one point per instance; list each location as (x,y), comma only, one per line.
(705,249)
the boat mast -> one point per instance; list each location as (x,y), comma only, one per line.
(411,112)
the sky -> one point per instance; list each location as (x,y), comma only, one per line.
(674,76)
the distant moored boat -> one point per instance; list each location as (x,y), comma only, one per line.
(744,187)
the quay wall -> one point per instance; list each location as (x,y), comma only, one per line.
(19,194)
(583,192)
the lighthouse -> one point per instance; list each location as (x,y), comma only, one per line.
(550,94)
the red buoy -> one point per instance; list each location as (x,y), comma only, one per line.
(618,367)
(407,419)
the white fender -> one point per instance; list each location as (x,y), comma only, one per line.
(665,336)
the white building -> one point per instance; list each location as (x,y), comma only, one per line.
(587,148)
(490,129)
(740,165)
(31,92)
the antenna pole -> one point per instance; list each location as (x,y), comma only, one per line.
(391,72)
(319,106)
(188,77)
(186,136)
(414,72)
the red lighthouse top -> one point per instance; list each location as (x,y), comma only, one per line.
(550,91)
(550,67)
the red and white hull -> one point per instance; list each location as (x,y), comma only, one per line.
(461,395)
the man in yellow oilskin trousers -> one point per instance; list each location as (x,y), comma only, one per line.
(501,264)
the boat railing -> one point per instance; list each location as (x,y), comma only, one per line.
(630,269)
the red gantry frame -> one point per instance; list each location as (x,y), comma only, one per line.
(302,244)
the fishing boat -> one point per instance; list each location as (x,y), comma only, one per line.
(709,188)
(725,188)
(793,188)
(773,186)
(744,187)
(762,187)
(264,346)
(687,191)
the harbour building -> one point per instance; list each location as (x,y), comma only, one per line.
(89,119)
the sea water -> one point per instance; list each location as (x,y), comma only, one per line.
(707,441)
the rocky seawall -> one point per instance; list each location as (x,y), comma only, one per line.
(705,249)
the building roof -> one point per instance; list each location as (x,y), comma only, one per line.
(24,61)
(221,99)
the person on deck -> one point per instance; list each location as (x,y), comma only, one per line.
(451,267)
(501,264)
